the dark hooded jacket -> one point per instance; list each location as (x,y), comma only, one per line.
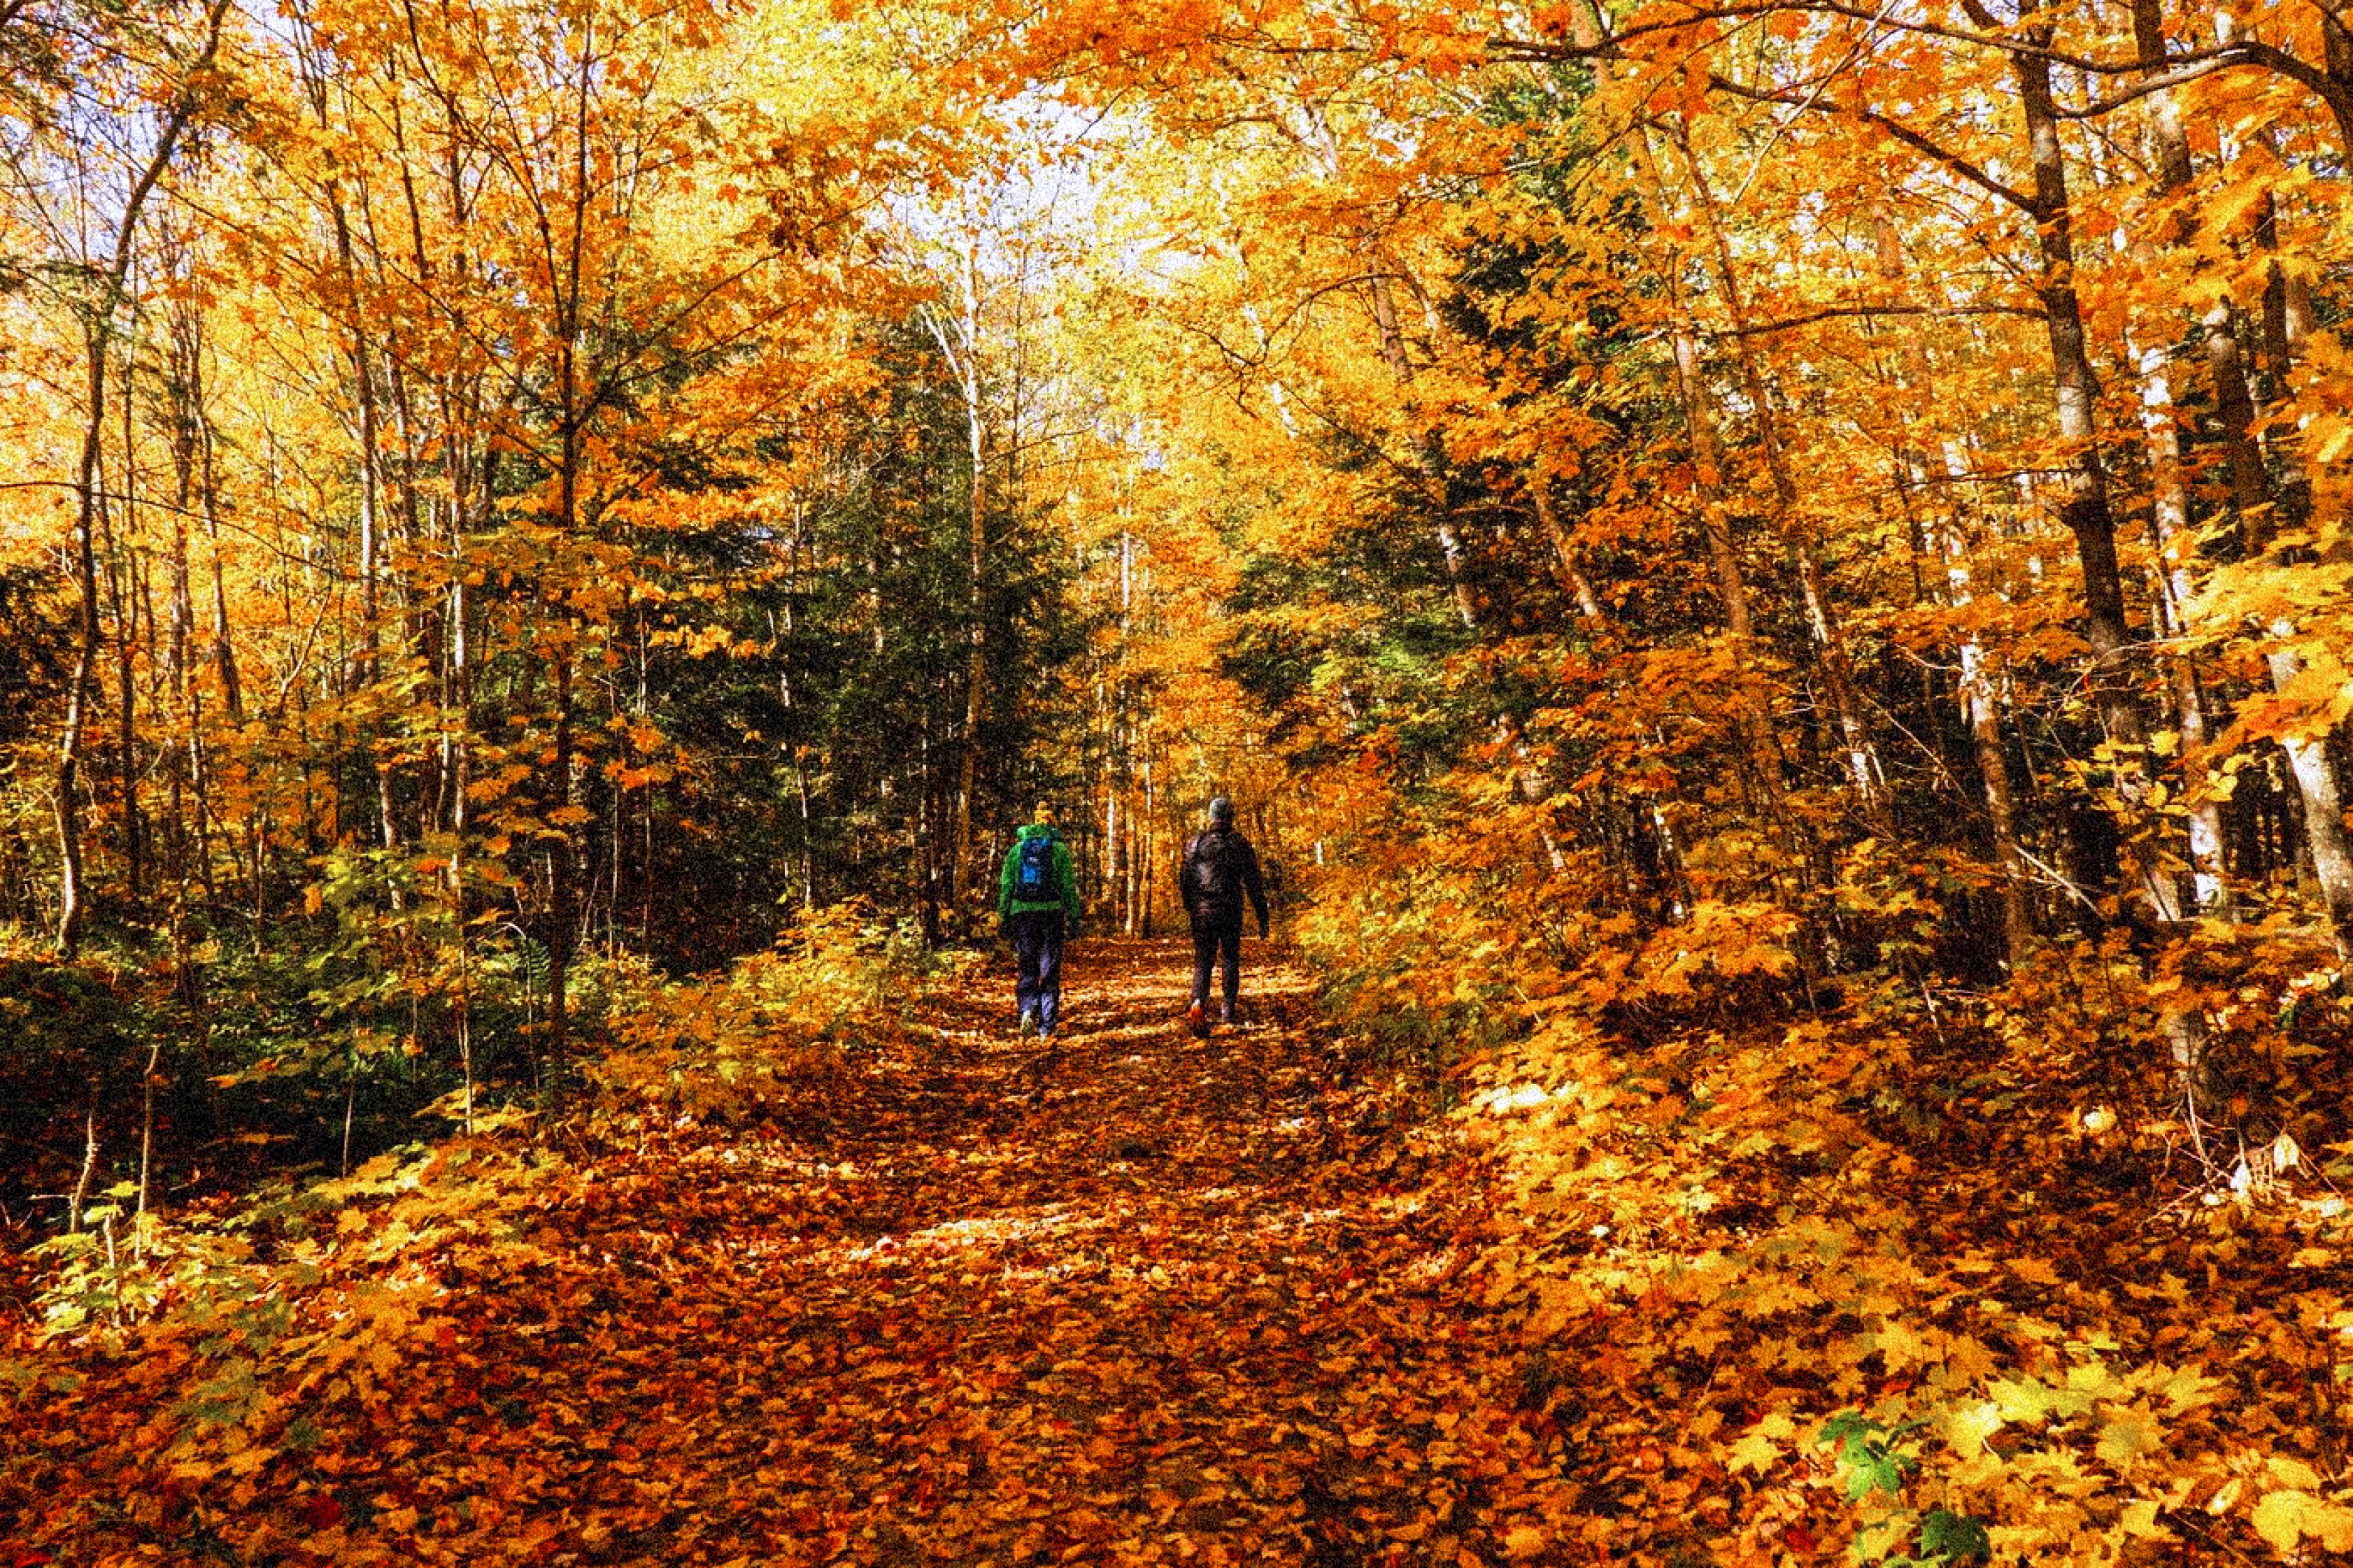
(1220,871)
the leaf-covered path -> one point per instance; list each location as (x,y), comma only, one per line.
(1138,1299)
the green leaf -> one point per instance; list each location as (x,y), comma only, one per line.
(1954,1538)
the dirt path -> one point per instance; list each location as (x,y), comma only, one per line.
(1142,1299)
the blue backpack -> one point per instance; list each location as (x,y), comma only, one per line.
(1033,874)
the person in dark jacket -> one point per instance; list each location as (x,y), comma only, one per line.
(1220,869)
(1038,910)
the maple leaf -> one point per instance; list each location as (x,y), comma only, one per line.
(2286,1519)
(1762,1445)
(2126,1434)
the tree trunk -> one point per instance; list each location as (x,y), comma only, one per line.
(82,686)
(2323,817)
(1980,700)
(97,328)
(1567,568)
(2084,482)
(2170,527)
(961,350)
(964,864)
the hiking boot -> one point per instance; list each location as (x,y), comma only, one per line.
(1196,1018)
(1226,1014)
(1029,1022)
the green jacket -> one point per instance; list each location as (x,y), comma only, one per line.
(1066,880)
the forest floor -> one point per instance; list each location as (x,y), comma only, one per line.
(904,1288)
(1134,1298)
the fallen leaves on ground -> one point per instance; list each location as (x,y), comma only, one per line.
(950,1296)
(1129,1298)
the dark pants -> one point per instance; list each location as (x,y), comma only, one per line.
(1037,949)
(1216,935)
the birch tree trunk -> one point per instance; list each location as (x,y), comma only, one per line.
(97,329)
(960,347)
(2169,494)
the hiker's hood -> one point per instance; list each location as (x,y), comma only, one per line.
(1038,830)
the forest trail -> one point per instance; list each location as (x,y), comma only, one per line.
(1138,1299)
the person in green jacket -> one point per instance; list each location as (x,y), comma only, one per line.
(1037,908)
